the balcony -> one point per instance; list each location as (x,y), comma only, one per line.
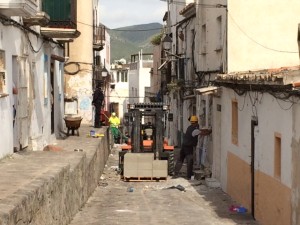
(41,19)
(97,77)
(24,8)
(63,20)
(99,38)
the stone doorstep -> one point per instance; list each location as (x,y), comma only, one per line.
(212,183)
(201,174)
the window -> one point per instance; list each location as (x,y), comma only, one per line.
(181,64)
(219,34)
(124,76)
(2,82)
(234,122)
(46,66)
(277,156)
(203,39)
(118,76)
(2,73)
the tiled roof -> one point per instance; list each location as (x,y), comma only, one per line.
(283,76)
(187,8)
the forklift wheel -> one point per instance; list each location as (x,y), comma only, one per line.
(171,166)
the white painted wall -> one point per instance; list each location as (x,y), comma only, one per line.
(273,116)
(119,94)
(139,79)
(81,52)
(216,140)
(175,8)
(105,54)
(210,35)
(133,77)
(176,128)
(262,34)
(144,81)
(38,132)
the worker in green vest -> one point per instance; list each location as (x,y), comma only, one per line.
(114,122)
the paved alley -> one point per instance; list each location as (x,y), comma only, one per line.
(150,203)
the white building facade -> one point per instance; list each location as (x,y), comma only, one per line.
(257,157)
(139,77)
(119,89)
(252,148)
(33,64)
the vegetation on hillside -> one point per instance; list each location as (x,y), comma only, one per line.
(126,41)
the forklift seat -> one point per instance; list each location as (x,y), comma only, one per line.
(126,147)
(168,147)
(147,143)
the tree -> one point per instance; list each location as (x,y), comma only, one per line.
(156,39)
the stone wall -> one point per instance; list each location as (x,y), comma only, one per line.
(52,186)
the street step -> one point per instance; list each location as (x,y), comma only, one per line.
(132,179)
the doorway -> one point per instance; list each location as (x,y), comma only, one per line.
(254,123)
(52,95)
(20,78)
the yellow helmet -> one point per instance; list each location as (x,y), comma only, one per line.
(194,119)
(113,114)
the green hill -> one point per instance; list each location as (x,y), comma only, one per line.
(125,41)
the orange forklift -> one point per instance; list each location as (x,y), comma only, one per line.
(145,124)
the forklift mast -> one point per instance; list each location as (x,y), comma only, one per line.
(147,155)
(139,112)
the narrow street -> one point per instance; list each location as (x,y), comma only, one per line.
(141,203)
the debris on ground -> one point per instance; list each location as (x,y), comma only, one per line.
(115,168)
(102,184)
(238,209)
(179,187)
(130,189)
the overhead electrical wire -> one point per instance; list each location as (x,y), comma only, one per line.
(256,42)
(205,5)
(10,22)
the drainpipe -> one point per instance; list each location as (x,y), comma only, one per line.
(206,110)
(181,117)
(205,139)
(254,123)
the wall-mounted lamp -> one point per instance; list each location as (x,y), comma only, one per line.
(167,42)
(163,64)
(104,71)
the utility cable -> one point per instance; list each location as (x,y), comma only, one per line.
(200,4)
(256,42)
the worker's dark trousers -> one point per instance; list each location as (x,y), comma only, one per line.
(186,152)
(97,116)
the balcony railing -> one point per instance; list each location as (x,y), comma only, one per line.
(63,19)
(99,37)
(63,13)
(97,78)
(24,8)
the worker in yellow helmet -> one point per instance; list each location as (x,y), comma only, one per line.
(114,122)
(190,140)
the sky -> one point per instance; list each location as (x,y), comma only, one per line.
(122,13)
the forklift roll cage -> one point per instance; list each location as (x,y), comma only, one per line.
(138,112)
(156,113)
